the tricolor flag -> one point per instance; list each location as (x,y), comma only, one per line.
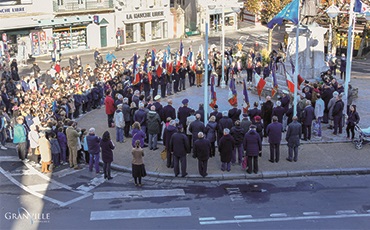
(135,71)
(213,93)
(289,12)
(153,58)
(170,67)
(246,97)
(260,83)
(361,7)
(274,80)
(300,81)
(290,83)
(159,70)
(233,95)
(150,77)
(164,60)
(145,67)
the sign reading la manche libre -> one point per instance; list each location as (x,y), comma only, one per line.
(144,15)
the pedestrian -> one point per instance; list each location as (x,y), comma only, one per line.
(55,150)
(138,168)
(234,113)
(20,138)
(179,147)
(153,122)
(266,112)
(352,120)
(119,123)
(279,112)
(330,106)
(254,112)
(308,115)
(137,134)
(45,150)
(259,126)
(338,114)
(253,148)
(126,110)
(319,112)
(73,144)
(93,143)
(237,132)
(33,137)
(202,150)
(62,139)
(167,134)
(274,133)
(211,131)
(107,146)
(183,112)
(225,147)
(110,57)
(293,137)
(342,67)
(195,127)
(109,107)
(224,123)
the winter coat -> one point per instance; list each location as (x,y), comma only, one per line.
(225,122)
(182,114)
(308,115)
(55,147)
(169,111)
(252,143)
(254,112)
(210,131)
(202,149)
(45,149)
(33,137)
(274,132)
(237,132)
(353,118)
(167,134)
(293,134)
(338,108)
(225,147)
(331,107)
(279,112)
(20,134)
(179,144)
(266,111)
(62,139)
(140,116)
(126,112)
(118,119)
(319,108)
(196,127)
(153,122)
(234,114)
(107,147)
(138,134)
(93,143)
(109,105)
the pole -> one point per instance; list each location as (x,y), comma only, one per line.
(330,40)
(223,83)
(352,21)
(295,102)
(206,78)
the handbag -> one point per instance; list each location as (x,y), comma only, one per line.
(37,151)
(143,171)
(164,154)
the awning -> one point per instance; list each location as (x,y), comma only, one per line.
(65,21)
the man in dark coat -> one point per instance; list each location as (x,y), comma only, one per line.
(146,86)
(274,133)
(179,147)
(216,113)
(337,114)
(225,122)
(254,112)
(169,110)
(167,134)
(285,100)
(278,111)
(234,113)
(200,111)
(140,116)
(153,122)
(266,112)
(253,148)
(245,123)
(293,136)
(93,143)
(237,132)
(202,150)
(308,115)
(195,127)
(183,112)
(126,116)
(225,147)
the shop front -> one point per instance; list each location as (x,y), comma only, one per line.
(70,38)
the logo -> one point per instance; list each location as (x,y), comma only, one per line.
(24,214)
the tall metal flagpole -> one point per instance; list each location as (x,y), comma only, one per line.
(206,78)
(296,64)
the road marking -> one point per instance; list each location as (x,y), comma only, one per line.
(140,213)
(342,212)
(9,158)
(76,199)
(234,194)
(43,187)
(206,218)
(283,219)
(278,215)
(311,213)
(243,217)
(92,184)
(64,172)
(138,194)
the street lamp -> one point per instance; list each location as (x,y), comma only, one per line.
(332,12)
(236,10)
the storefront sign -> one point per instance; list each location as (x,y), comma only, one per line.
(145,15)
(12,10)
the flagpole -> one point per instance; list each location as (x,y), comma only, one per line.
(206,78)
(295,103)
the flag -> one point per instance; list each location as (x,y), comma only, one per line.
(274,80)
(190,56)
(159,71)
(260,83)
(170,67)
(213,93)
(290,83)
(361,7)
(233,96)
(181,48)
(145,67)
(164,60)
(135,71)
(246,97)
(153,57)
(150,77)
(300,81)
(168,50)
(292,64)
(289,12)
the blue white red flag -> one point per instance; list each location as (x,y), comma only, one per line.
(361,7)
(233,95)
(213,93)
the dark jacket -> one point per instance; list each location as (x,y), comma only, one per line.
(182,114)
(169,111)
(293,134)
(285,103)
(274,132)
(55,147)
(167,134)
(210,131)
(279,112)
(179,144)
(338,108)
(237,132)
(353,118)
(252,143)
(153,122)
(202,149)
(225,122)
(126,112)
(138,134)
(234,114)
(107,150)
(308,115)
(254,112)
(140,116)
(266,111)
(93,143)
(195,127)
(225,147)
(217,114)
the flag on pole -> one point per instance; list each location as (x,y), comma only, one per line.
(289,12)
(274,81)
(260,83)
(300,81)
(213,93)
(145,67)
(233,96)
(246,97)
(164,60)
(170,67)
(150,77)
(135,71)
(153,58)
(159,71)
(361,7)
(290,83)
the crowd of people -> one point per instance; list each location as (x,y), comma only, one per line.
(38,112)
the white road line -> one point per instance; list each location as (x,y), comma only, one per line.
(39,195)
(140,213)
(206,218)
(76,199)
(9,158)
(43,187)
(342,212)
(64,172)
(138,194)
(278,215)
(92,184)
(311,213)
(243,217)
(283,219)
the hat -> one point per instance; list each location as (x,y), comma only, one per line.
(257,118)
(252,127)
(285,92)
(92,130)
(156,98)
(245,115)
(215,106)
(119,106)
(185,101)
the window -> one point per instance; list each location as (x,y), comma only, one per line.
(60,2)
(80,2)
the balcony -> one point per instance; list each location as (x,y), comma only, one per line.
(68,6)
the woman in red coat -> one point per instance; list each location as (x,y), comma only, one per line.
(109,107)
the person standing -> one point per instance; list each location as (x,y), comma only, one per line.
(110,57)
(352,120)
(20,138)
(119,123)
(126,110)
(266,112)
(253,148)
(179,147)
(167,134)
(195,127)
(154,122)
(169,110)
(45,150)
(338,114)
(183,112)
(293,137)
(33,137)
(107,146)
(211,131)
(237,132)
(274,133)
(330,106)
(319,112)
(225,147)
(308,116)
(234,113)
(109,107)
(342,67)
(55,150)
(223,123)
(202,150)
(138,168)
(93,143)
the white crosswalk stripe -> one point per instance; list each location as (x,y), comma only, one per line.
(138,194)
